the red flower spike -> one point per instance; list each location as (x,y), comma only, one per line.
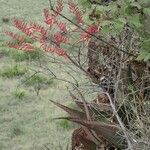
(35,28)
(76,11)
(62,26)
(58,8)
(91,30)
(23,46)
(20,38)
(55,50)
(22,26)
(59,38)
(31,29)
(46,13)
(50,20)
(27,47)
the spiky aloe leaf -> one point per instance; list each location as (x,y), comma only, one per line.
(109,132)
(99,107)
(100,111)
(89,135)
(72,112)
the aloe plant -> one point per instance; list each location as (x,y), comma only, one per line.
(97,130)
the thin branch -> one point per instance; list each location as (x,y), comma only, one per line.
(85,104)
(130,147)
(28,79)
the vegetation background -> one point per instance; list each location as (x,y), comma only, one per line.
(25,118)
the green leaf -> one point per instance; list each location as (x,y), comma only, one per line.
(145,49)
(144,56)
(85,3)
(134,21)
(136,4)
(146,11)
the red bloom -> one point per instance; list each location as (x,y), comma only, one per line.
(91,30)
(58,8)
(59,38)
(54,49)
(62,26)
(27,47)
(20,38)
(49,18)
(38,32)
(22,46)
(76,11)
(22,26)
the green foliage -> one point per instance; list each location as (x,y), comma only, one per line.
(23,56)
(37,79)
(145,53)
(85,3)
(4,51)
(19,95)
(16,131)
(64,124)
(117,14)
(15,71)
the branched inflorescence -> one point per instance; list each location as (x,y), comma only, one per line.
(76,11)
(50,41)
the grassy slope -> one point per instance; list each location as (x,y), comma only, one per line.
(26,123)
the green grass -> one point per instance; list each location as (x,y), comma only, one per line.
(26,119)
(20,95)
(64,124)
(4,50)
(15,71)
(19,56)
(37,79)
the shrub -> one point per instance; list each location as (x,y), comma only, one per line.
(115,109)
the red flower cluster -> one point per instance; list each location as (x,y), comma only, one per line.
(54,49)
(60,38)
(50,42)
(76,11)
(91,30)
(39,33)
(58,8)
(21,42)
(17,37)
(62,26)
(49,19)
(24,46)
